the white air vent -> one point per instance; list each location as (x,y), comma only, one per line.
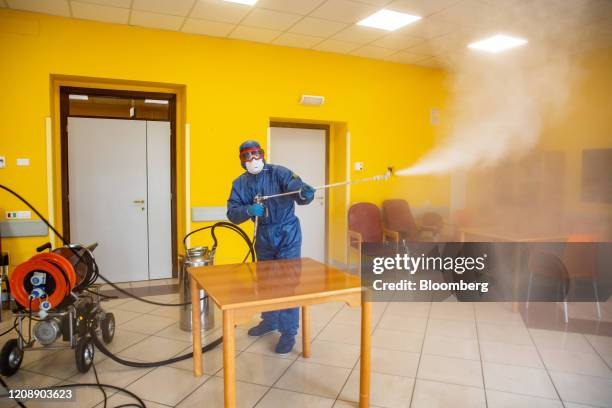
(312,100)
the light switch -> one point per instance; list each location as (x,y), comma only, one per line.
(358,166)
(23,162)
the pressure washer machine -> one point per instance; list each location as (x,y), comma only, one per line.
(56,296)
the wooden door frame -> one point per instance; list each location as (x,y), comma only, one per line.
(326,128)
(64,92)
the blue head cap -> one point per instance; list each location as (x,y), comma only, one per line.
(247,145)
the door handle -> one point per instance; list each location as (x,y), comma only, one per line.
(138,201)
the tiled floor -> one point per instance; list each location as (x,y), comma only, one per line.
(424,355)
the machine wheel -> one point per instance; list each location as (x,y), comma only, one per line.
(11,357)
(84,353)
(108,328)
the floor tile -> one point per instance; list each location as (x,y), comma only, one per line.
(396,340)
(429,394)
(166,385)
(124,339)
(210,395)
(154,349)
(147,324)
(165,311)
(352,317)
(385,390)
(212,361)
(451,347)
(499,399)
(452,311)
(451,370)
(519,380)
(333,354)
(267,343)
(124,316)
(497,313)
(452,328)
(510,334)
(324,312)
(243,340)
(560,340)
(347,404)
(137,306)
(575,362)
(322,380)
(403,323)
(176,333)
(276,398)
(121,399)
(582,389)
(603,346)
(341,333)
(409,309)
(393,362)
(259,369)
(111,372)
(59,365)
(510,354)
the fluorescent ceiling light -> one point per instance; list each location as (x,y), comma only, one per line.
(388,20)
(247,2)
(156,101)
(78,97)
(497,43)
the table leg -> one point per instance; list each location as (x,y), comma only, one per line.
(196,327)
(229,359)
(366,344)
(305,332)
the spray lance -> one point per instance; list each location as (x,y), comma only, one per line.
(260,199)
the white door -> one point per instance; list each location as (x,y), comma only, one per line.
(113,189)
(304,152)
(159,200)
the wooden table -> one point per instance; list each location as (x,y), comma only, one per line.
(242,290)
(511,236)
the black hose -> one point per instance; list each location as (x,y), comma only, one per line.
(102,347)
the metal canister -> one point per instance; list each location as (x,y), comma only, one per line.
(198,256)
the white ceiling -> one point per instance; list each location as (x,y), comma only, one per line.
(329,25)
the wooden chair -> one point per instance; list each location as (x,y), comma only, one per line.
(365,225)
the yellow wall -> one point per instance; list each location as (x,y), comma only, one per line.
(232,89)
(586,123)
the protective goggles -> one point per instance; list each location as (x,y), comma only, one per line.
(254,153)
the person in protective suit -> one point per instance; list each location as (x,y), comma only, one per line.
(278,234)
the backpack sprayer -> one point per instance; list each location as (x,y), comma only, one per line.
(260,199)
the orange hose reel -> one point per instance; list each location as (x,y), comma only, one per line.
(55,266)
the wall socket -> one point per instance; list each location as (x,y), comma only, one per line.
(18,215)
(2,162)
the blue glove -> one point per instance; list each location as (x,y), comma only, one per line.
(256,210)
(307,193)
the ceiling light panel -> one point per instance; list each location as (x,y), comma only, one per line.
(497,43)
(247,2)
(388,20)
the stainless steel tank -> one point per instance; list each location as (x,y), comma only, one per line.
(198,256)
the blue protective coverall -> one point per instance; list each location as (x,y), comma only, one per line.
(278,234)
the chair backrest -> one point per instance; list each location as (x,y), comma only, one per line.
(364,218)
(580,257)
(432,220)
(398,217)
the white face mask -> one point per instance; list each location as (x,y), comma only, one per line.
(255,166)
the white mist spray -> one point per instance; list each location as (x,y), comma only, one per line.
(499,101)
